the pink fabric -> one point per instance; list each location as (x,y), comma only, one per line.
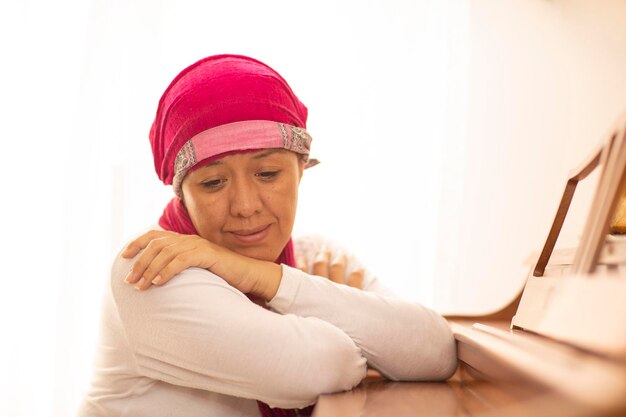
(175,218)
(216,91)
(238,136)
(201,110)
(259,134)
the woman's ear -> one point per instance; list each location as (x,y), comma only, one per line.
(301,164)
(181,197)
(301,169)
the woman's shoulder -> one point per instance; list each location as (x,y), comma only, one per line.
(187,278)
(120,267)
(309,246)
(313,243)
(190,280)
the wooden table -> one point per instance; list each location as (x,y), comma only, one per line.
(484,385)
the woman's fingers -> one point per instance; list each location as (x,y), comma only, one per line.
(161,271)
(154,249)
(321,265)
(355,279)
(160,267)
(175,266)
(142,242)
(337,269)
(165,256)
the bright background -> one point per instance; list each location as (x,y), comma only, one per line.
(446,130)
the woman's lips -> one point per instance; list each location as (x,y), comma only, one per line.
(251,235)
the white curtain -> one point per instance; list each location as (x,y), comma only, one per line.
(80,83)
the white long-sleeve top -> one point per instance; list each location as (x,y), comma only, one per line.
(199,347)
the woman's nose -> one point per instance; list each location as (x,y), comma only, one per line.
(245,200)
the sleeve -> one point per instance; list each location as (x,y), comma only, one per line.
(403,340)
(197,331)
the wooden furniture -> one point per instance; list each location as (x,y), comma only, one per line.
(558,349)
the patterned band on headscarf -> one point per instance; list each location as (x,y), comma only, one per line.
(240,136)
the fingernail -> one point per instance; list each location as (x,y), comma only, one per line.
(157,280)
(140,283)
(128,278)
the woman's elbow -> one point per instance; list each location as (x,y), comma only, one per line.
(446,360)
(441,353)
(440,356)
(430,356)
(340,369)
(328,369)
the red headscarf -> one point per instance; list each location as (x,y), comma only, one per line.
(218,93)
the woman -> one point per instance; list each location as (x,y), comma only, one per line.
(237,331)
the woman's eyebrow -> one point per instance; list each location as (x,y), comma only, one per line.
(210,164)
(266,153)
(260,155)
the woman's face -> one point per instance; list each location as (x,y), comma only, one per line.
(246,202)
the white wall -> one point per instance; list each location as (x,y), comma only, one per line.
(546,81)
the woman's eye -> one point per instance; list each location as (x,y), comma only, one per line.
(267,175)
(213,184)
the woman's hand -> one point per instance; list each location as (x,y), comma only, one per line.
(166,254)
(332,267)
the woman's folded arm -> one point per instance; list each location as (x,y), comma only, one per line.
(197,331)
(401,339)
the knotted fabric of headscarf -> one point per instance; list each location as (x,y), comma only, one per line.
(221,105)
